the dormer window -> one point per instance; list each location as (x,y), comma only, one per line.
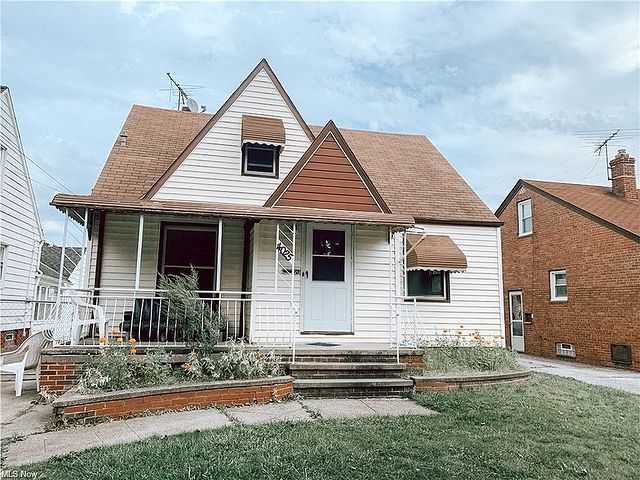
(262,140)
(259,159)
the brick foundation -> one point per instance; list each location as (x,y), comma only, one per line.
(440,384)
(60,369)
(129,403)
(19,336)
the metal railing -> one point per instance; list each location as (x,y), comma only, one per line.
(409,325)
(84,317)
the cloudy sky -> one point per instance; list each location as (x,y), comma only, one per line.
(499,88)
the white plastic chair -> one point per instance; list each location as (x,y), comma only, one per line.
(98,318)
(25,357)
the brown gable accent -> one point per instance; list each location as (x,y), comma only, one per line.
(262,65)
(262,129)
(328,176)
(434,252)
(592,201)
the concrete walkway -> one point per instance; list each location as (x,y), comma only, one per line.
(23,446)
(604,376)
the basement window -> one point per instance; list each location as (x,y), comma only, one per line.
(260,159)
(558,284)
(525,218)
(428,285)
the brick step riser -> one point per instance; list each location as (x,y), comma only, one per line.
(331,374)
(337,392)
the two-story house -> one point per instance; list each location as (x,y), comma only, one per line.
(571,262)
(301,234)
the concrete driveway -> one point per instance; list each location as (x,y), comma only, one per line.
(607,377)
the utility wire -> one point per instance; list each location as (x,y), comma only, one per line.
(48,175)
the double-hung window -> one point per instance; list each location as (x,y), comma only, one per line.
(558,285)
(525,220)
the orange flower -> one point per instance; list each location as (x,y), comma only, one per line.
(187,367)
(132,350)
(114,331)
(446,330)
(119,341)
(102,340)
(193,355)
(132,341)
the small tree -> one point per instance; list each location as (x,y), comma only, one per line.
(196,319)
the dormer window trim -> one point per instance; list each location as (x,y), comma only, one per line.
(247,170)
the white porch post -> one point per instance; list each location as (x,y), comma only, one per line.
(219,256)
(139,253)
(84,275)
(61,271)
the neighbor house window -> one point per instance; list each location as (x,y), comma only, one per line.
(259,159)
(428,284)
(558,282)
(525,222)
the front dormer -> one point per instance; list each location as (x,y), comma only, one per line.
(244,150)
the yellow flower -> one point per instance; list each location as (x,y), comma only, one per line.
(132,350)
(132,341)
(119,341)
(102,340)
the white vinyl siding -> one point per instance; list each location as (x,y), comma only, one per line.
(212,172)
(525,218)
(20,230)
(475,296)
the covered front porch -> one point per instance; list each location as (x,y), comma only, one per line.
(299,277)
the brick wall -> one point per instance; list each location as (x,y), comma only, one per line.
(166,401)
(19,336)
(61,371)
(603,277)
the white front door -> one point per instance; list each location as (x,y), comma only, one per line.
(516,319)
(328,280)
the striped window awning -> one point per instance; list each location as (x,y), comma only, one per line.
(264,130)
(434,252)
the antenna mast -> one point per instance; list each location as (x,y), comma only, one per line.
(182,95)
(605,144)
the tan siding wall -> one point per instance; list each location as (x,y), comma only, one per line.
(212,171)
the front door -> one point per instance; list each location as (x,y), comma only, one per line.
(328,280)
(516,319)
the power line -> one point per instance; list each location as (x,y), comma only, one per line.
(48,175)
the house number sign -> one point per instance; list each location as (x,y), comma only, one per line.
(284,251)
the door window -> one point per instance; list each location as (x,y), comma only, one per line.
(328,256)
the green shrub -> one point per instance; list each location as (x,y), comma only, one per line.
(238,363)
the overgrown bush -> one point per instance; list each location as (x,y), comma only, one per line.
(198,323)
(238,363)
(459,352)
(118,367)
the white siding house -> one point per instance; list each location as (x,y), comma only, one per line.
(20,231)
(298,233)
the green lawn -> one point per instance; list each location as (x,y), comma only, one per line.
(547,428)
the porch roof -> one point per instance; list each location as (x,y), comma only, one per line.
(81,202)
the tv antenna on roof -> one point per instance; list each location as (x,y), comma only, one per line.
(601,140)
(183,96)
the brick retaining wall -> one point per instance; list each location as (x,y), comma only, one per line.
(442,383)
(75,408)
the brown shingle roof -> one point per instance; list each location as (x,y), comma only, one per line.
(155,138)
(411,175)
(593,201)
(414,178)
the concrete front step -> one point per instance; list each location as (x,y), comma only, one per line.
(352,387)
(325,355)
(346,370)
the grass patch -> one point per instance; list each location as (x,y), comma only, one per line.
(455,359)
(547,428)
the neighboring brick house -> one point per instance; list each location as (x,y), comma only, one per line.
(571,266)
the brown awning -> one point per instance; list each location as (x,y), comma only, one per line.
(266,130)
(434,252)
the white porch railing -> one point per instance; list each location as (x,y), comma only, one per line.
(409,325)
(81,317)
